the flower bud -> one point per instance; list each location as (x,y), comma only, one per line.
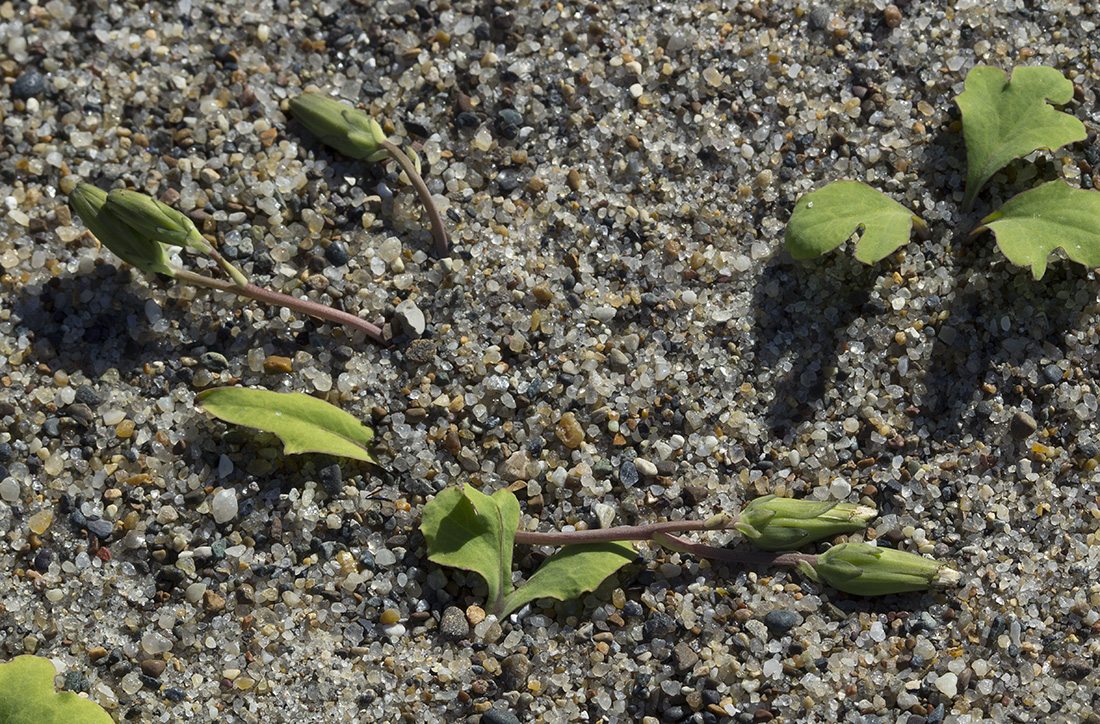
(350,131)
(133,247)
(155,220)
(866,570)
(782,524)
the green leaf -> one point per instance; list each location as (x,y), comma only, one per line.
(1035,223)
(305,424)
(824,219)
(27,696)
(470,530)
(1006,119)
(573,570)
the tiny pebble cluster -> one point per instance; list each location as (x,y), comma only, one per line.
(618,338)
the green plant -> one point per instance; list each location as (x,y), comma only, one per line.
(467,529)
(472,531)
(27,696)
(355,134)
(1003,119)
(135,227)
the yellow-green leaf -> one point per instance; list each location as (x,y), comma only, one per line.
(470,530)
(305,424)
(824,219)
(27,696)
(1005,119)
(1033,224)
(573,570)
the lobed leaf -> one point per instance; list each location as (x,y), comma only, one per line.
(470,530)
(1008,118)
(573,570)
(305,424)
(1033,224)
(824,219)
(27,696)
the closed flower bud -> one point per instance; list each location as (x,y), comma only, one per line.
(350,131)
(155,220)
(133,247)
(866,570)
(782,524)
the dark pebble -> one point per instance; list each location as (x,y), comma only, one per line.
(77,520)
(5,452)
(499,716)
(366,559)
(332,479)
(658,624)
(935,716)
(337,254)
(52,427)
(602,469)
(76,681)
(507,181)
(514,671)
(633,608)
(100,528)
(174,693)
(1076,669)
(510,116)
(28,85)
(1022,426)
(153,667)
(221,52)
(780,621)
(453,625)
(150,682)
(420,351)
(628,474)
(467,120)
(42,560)
(684,656)
(820,17)
(1052,374)
(86,395)
(217,549)
(673,714)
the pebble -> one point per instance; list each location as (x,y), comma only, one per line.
(223,506)
(100,528)
(86,395)
(332,479)
(514,671)
(475,615)
(153,667)
(453,625)
(780,621)
(28,85)
(645,467)
(411,317)
(947,684)
(499,716)
(684,656)
(337,253)
(277,365)
(1022,426)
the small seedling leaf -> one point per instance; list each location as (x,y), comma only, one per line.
(470,530)
(573,570)
(1005,119)
(824,219)
(305,424)
(27,696)
(1035,223)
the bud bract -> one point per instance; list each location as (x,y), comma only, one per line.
(866,570)
(783,524)
(133,247)
(349,130)
(155,220)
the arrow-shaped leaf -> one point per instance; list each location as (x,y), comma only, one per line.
(1006,119)
(1035,223)
(573,570)
(824,219)
(27,696)
(305,424)
(470,530)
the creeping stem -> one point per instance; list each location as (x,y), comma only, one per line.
(750,558)
(603,535)
(439,234)
(304,306)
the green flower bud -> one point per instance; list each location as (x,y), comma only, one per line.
(782,524)
(866,570)
(133,247)
(155,220)
(350,131)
